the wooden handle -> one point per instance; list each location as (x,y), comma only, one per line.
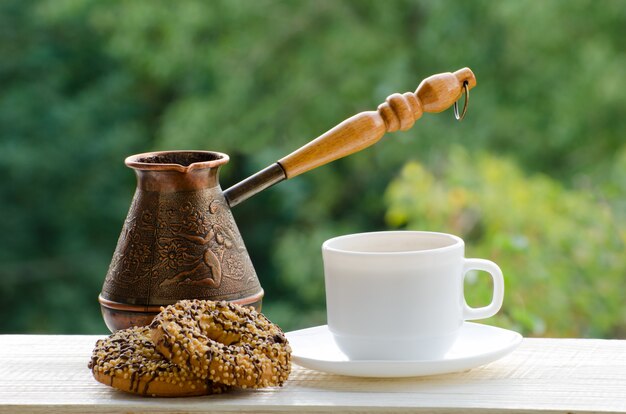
(399,112)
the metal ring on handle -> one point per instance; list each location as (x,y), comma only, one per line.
(456,104)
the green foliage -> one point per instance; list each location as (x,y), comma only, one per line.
(561,249)
(84,83)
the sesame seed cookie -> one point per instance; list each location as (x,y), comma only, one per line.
(223,342)
(128,361)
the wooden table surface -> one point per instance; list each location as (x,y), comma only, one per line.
(49,374)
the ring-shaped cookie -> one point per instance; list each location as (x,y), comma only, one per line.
(223,342)
(128,361)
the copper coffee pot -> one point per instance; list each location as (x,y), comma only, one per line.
(180,240)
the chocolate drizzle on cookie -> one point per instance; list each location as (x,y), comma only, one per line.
(194,347)
(223,342)
(127,360)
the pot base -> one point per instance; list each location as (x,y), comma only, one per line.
(121,315)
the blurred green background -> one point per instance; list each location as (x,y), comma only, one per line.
(534,178)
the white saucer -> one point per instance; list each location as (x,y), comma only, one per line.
(477,344)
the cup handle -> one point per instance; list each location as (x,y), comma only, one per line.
(493,269)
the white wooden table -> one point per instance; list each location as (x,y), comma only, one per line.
(49,374)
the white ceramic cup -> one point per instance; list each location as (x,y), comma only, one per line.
(398,295)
